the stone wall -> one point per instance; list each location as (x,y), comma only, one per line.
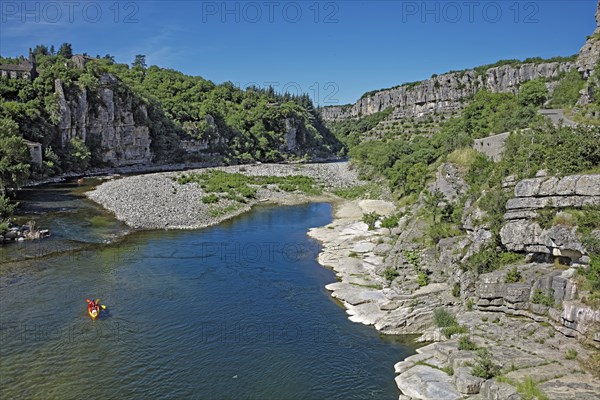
(492,146)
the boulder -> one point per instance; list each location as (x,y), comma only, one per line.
(491,286)
(494,390)
(423,382)
(465,382)
(517,292)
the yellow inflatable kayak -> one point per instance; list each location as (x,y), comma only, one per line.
(94,313)
(94,308)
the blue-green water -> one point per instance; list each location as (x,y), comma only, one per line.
(236,311)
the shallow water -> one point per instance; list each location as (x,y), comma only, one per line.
(236,311)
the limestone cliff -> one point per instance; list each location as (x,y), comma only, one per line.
(447,92)
(590,52)
(108,120)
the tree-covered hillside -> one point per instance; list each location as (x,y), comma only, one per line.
(239,125)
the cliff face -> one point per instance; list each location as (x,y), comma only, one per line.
(590,52)
(447,92)
(104,120)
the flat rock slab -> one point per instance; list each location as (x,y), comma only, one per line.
(363,247)
(356,295)
(365,313)
(422,382)
(572,386)
(379,206)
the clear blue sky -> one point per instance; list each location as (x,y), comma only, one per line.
(333,50)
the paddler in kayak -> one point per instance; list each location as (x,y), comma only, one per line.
(94,308)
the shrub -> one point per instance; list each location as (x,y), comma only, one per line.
(508,258)
(456,289)
(371,219)
(545,217)
(544,298)
(443,318)
(390,222)
(454,329)
(413,258)
(513,276)
(464,343)
(469,305)
(422,278)
(485,367)
(7,208)
(210,199)
(390,273)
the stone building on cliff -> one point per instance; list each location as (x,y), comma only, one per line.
(27,69)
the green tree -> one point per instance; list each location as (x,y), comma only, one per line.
(566,92)
(79,153)
(14,156)
(139,62)
(534,93)
(432,202)
(41,50)
(6,207)
(390,222)
(65,50)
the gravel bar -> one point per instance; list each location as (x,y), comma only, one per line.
(156,201)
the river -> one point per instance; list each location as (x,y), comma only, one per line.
(234,311)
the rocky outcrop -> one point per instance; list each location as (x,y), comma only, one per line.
(590,52)
(107,120)
(543,293)
(523,232)
(447,92)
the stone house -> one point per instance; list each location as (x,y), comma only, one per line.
(27,69)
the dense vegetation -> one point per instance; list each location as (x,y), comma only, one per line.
(242,125)
(350,132)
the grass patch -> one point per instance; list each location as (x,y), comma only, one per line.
(447,321)
(374,286)
(529,390)
(370,191)
(571,354)
(465,343)
(465,157)
(210,199)
(239,187)
(469,305)
(221,211)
